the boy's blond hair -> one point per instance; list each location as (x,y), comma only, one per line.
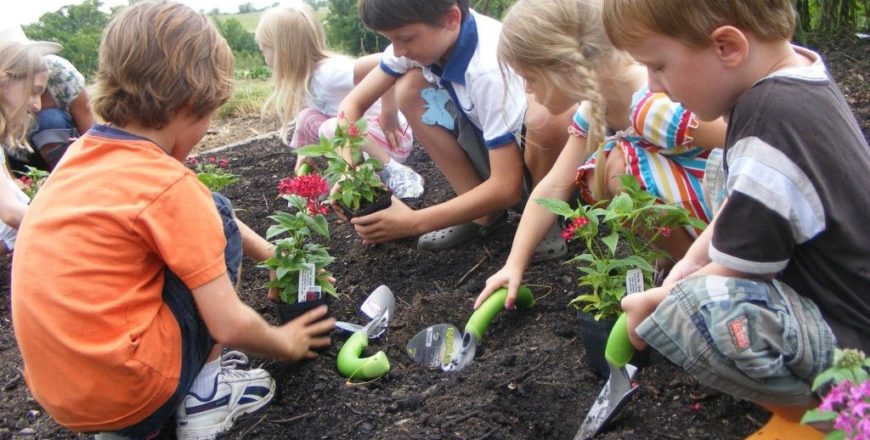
(17,62)
(628,22)
(563,42)
(157,57)
(299,43)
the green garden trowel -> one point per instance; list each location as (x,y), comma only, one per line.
(618,389)
(443,345)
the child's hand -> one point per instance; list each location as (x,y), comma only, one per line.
(685,267)
(637,307)
(389,123)
(505,277)
(305,333)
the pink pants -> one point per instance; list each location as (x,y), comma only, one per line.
(312,123)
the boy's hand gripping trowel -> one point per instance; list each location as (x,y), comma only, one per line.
(443,345)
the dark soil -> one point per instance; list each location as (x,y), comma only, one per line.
(530,381)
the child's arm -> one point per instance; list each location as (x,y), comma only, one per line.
(364,94)
(710,134)
(536,220)
(11,208)
(233,323)
(259,250)
(388,118)
(696,257)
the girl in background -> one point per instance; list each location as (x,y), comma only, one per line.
(560,48)
(310,83)
(23,78)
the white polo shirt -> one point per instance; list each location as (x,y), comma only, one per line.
(474,80)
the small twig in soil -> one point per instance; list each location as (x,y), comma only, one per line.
(470,271)
(487,435)
(459,419)
(755,422)
(12,382)
(487,252)
(523,374)
(291,419)
(244,433)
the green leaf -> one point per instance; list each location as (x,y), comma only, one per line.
(611,241)
(556,206)
(816,416)
(315,150)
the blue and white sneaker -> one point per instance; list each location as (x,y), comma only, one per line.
(236,393)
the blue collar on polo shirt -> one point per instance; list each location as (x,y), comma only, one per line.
(111,132)
(463,50)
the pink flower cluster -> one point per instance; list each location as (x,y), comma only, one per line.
(852,405)
(222,163)
(576,224)
(312,187)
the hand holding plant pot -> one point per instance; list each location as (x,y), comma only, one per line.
(357,188)
(295,252)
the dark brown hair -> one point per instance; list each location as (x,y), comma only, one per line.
(386,15)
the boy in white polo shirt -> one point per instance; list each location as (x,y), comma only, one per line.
(472,117)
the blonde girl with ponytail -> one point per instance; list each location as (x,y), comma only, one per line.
(309,84)
(561,50)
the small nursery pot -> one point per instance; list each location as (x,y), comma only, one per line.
(382,202)
(594,335)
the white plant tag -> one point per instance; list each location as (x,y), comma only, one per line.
(306,281)
(634,281)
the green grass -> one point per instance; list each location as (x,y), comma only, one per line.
(248,97)
(248,20)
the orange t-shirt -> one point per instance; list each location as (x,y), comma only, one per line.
(101,350)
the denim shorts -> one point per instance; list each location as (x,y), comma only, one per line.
(758,341)
(196,341)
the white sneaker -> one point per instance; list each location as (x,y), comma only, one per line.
(237,392)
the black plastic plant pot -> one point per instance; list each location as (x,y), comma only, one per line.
(594,335)
(382,202)
(288,312)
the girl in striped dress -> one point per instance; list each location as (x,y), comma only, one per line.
(560,48)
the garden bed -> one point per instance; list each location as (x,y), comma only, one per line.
(529,381)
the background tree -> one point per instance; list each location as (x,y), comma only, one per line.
(346,33)
(78,28)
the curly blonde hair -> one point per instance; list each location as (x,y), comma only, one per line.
(156,57)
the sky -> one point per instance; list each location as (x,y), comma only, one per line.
(29,11)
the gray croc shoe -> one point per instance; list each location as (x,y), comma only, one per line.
(453,236)
(448,237)
(552,246)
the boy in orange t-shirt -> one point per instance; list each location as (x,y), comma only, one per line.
(122,295)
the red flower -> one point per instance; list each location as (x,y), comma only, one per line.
(580,222)
(353,130)
(224,163)
(310,186)
(315,208)
(26,181)
(665,231)
(191,162)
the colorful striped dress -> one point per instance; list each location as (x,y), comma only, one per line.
(658,152)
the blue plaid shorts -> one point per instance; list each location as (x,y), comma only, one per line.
(756,340)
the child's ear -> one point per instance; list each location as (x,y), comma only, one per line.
(731,45)
(453,18)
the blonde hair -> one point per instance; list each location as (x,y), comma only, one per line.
(156,57)
(628,22)
(17,62)
(562,42)
(299,43)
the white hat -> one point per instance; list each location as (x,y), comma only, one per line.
(16,33)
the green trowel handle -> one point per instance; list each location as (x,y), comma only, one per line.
(481,317)
(304,169)
(352,366)
(619,349)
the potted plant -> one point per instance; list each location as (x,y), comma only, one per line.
(357,188)
(618,236)
(32,180)
(297,256)
(845,408)
(213,172)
